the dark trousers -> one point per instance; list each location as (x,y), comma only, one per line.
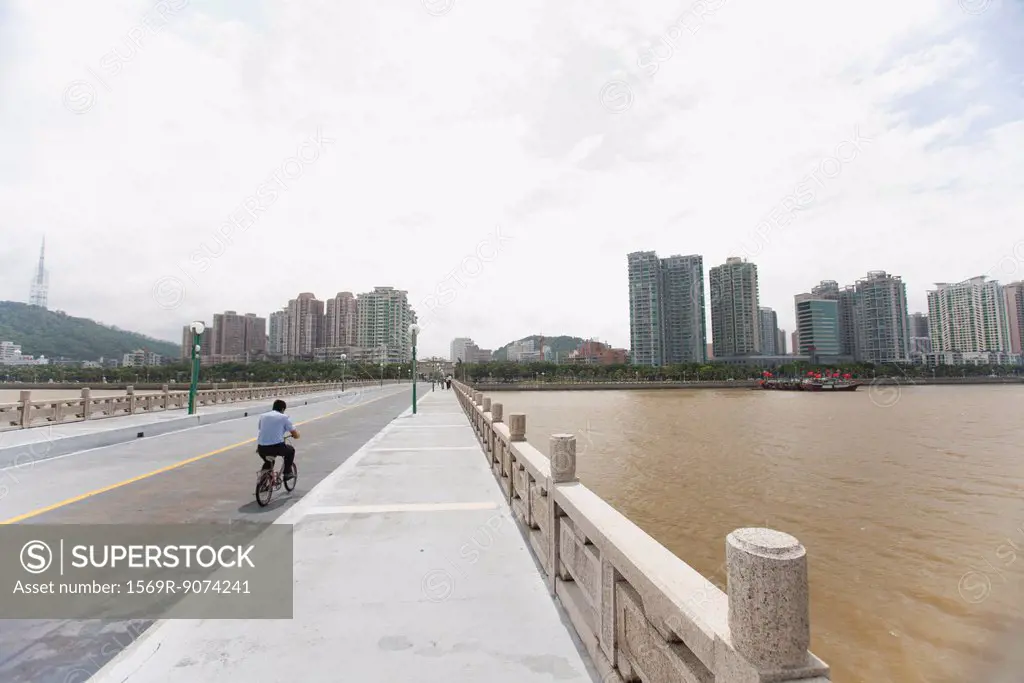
(268,453)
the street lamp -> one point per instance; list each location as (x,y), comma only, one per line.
(344,359)
(197,331)
(382,374)
(414,330)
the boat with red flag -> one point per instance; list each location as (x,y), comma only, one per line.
(814,381)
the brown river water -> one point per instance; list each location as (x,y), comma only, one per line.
(908,500)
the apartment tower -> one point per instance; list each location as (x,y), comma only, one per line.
(883,331)
(735,311)
(666,309)
(1014,293)
(384,316)
(304,329)
(969,316)
(228,334)
(459,348)
(205,342)
(341,321)
(769,321)
(255,335)
(276,343)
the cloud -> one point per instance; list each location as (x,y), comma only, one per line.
(448,123)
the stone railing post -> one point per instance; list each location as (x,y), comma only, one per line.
(130,391)
(486,428)
(25,398)
(562,452)
(86,403)
(496,446)
(769,610)
(517,427)
(166,391)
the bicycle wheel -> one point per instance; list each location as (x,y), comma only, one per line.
(289,484)
(265,488)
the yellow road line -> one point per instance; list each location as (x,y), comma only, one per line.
(168,468)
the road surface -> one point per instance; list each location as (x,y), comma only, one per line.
(201,475)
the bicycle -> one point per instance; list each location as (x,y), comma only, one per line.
(268,481)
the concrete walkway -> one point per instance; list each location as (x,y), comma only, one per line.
(18,446)
(408,567)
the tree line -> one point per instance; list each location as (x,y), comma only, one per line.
(256,372)
(496,371)
(551,372)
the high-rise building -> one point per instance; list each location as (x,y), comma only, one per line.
(276,342)
(780,343)
(817,321)
(465,349)
(235,337)
(255,335)
(845,298)
(883,334)
(228,334)
(918,325)
(646,308)
(205,342)
(1014,293)
(919,346)
(969,316)
(666,309)
(341,321)
(769,321)
(384,317)
(39,292)
(735,310)
(304,330)
(683,316)
(458,349)
(794,347)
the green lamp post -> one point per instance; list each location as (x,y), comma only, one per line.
(197,331)
(344,363)
(414,330)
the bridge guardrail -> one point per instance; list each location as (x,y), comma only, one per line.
(642,612)
(28,413)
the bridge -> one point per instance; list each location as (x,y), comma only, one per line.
(430,546)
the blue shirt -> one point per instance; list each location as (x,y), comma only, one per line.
(273,427)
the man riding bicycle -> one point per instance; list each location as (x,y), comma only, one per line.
(274,425)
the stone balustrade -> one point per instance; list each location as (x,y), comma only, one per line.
(29,413)
(644,614)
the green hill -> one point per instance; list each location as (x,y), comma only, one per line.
(560,345)
(55,334)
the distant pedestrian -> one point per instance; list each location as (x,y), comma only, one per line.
(449,382)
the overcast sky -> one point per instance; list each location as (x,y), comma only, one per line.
(499,160)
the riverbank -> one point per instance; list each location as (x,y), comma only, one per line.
(737,384)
